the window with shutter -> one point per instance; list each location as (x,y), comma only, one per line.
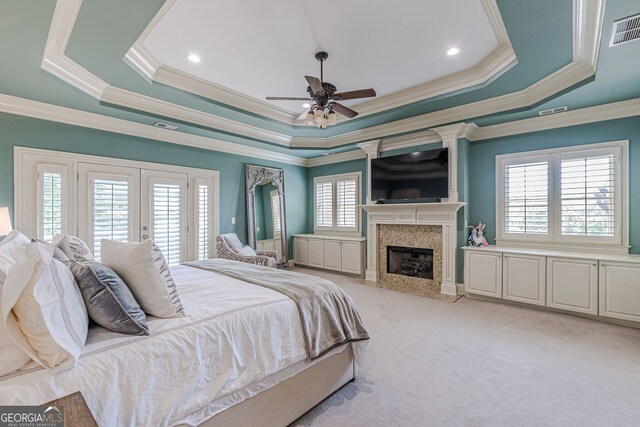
(566,196)
(337,198)
(526,198)
(51,202)
(324,204)
(203,221)
(346,201)
(110,212)
(275,208)
(167,220)
(588,195)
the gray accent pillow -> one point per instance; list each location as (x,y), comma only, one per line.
(74,248)
(109,301)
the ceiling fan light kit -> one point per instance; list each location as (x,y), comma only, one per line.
(325,96)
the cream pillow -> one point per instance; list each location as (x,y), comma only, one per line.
(145,271)
(11,248)
(42,309)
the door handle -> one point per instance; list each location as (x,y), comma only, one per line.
(145,236)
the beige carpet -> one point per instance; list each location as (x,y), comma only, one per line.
(476,363)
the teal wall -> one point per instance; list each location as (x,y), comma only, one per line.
(482,166)
(28,132)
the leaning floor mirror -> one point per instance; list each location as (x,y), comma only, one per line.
(266,211)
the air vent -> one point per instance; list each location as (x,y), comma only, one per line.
(625,30)
(165,126)
(552,111)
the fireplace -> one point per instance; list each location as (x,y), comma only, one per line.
(412,262)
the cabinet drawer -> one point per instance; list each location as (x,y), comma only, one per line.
(300,250)
(572,284)
(483,273)
(524,278)
(620,290)
(316,253)
(333,255)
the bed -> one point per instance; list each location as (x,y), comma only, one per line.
(237,357)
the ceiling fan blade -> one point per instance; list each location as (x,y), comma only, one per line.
(315,84)
(345,111)
(362,93)
(286,98)
(303,116)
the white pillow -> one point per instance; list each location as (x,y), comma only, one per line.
(247,251)
(11,248)
(145,271)
(73,247)
(42,309)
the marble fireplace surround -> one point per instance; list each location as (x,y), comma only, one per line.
(416,214)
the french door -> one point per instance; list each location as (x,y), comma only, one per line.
(164,213)
(130,205)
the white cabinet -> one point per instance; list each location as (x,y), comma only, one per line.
(523,278)
(352,257)
(336,253)
(620,290)
(333,255)
(483,273)
(301,251)
(572,284)
(316,254)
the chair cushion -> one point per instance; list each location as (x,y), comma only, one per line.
(232,240)
(247,251)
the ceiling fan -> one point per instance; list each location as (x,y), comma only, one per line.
(325,96)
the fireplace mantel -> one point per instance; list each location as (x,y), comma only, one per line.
(443,214)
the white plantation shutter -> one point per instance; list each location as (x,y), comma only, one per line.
(203,221)
(588,195)
(346,201)
(51,203)
(324,203)
(110,211)
(275,209)
(526,198)
(166,212)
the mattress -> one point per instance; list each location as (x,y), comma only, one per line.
(235,340)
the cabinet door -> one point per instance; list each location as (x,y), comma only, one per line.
(301,250)
(523,278)
(332,255)
(572,284)
(352,255)
(316,253)
(620,290)
(483,273)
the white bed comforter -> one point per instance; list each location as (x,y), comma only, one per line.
(234,335)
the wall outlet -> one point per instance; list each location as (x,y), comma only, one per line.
(257,228)
(233,220)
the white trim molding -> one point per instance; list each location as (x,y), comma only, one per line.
(588,16)
(499,60)
(39,110)
(372,149)
(450,135)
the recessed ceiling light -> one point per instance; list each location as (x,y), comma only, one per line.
(306,105)
(193,58)
(453,51)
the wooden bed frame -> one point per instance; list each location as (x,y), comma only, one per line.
(287,401)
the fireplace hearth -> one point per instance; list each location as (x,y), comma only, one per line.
(412,262)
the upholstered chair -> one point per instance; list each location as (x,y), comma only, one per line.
(230,247)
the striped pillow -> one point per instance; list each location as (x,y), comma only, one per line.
(49,320)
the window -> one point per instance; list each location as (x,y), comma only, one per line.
(167,220)
(337,198)
(202,220)
(568,196)
(275,208)
(51,201)
(110,212)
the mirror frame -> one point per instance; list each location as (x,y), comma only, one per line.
(254,175)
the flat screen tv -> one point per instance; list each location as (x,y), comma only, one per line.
(419,176)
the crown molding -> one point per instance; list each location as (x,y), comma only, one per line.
(499,60)
(40,110)
(588,15)
(599,113)
(336,158)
